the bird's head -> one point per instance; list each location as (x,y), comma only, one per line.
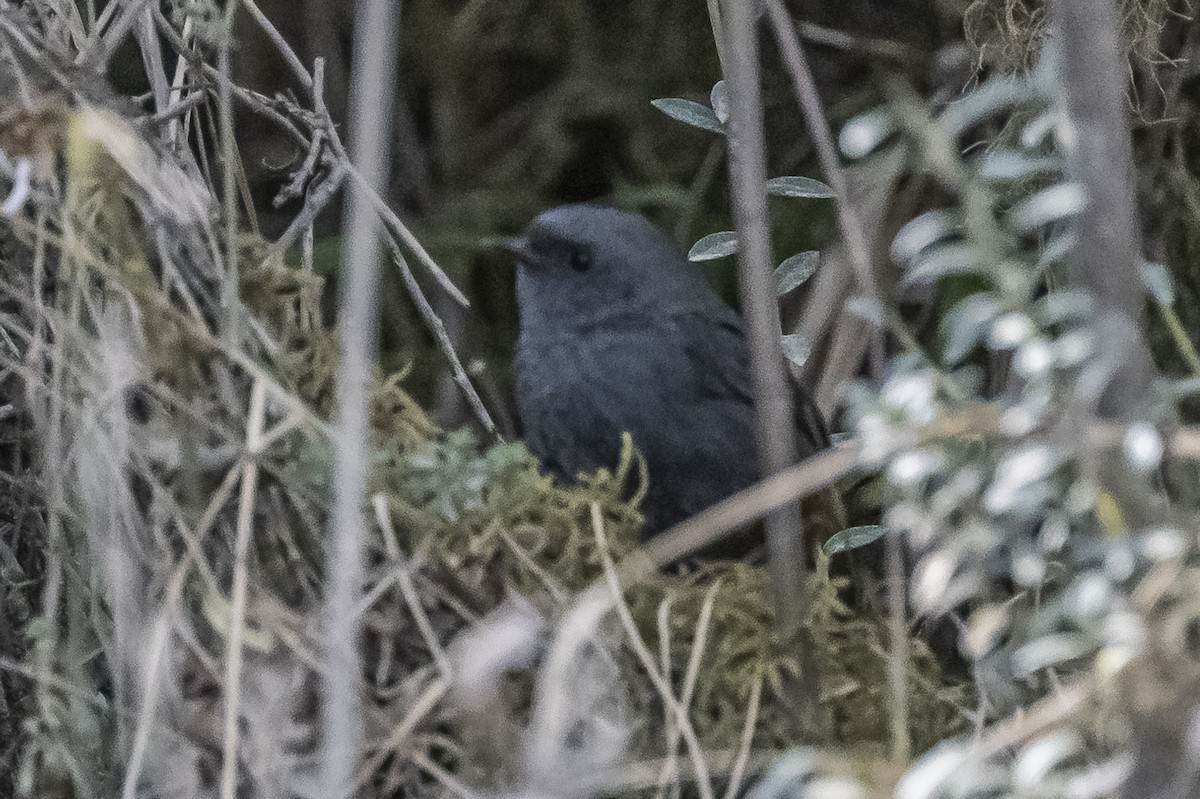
(579,264)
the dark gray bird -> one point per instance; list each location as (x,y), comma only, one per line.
(619,333)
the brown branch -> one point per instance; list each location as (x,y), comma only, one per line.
(782,489)
(775,428)
(854,233)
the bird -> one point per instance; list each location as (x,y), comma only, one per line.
(619,333)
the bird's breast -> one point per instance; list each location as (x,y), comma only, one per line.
(578,392)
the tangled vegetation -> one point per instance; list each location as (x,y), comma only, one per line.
(170,396)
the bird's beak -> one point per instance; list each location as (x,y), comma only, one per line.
(520,247)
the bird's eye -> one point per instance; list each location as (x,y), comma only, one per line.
(581,259)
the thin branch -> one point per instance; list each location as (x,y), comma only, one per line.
(748,729)
(281,46)
(774,423)
(853,232)
(419,710)
(898,656)
(435,325)
(409,591)
(673,706)
(229,277)
(1092,80)
(376,28)
(780,489)
(102,47)
(237,611)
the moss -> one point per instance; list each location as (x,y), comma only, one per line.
(1008,34)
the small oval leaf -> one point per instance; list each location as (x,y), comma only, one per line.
(714,245)
(1034,134)
(866,308)
(1050,650)
(1010,165)
(993,97)
(966,323)
(794,271)
(1156,279)
(854,538)
(689,113)
(796,186)
(1065,305)
(720,103)
(946,261)
(796,347)
(1052,204)
(924,231)
(1058,247)
(863,134)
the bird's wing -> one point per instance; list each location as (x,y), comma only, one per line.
(725,343)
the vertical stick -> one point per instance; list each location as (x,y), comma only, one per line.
(375,37)
(854,234)
(775,421)
(240,590)
(229,284)
(1092,78)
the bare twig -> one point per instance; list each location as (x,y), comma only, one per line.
(152,60)
(673,706)
(106,40)
(699,644)
(421,707)
(898,657)
(832,37)
(281,45)
(805,478)
(739,765)
(173,111)
(237,611)
(774,424)
(376,25)
(152,681)
(229,276)
(435,325)
(176,133)
(853,233)
(409,591)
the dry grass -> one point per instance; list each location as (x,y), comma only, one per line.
(1008,34)
(172,393)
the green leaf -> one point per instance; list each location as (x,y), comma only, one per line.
(795,186)
(993,97)
(945,261)
(923,232)
(1156,279)
(689,113)
(719,101)
(864,134)
(854,538)
(714,245)
(1053,204)
(796,347)
(792,273)
(1010,165)
(966,323)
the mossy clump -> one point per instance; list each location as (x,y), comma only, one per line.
(1008,34)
